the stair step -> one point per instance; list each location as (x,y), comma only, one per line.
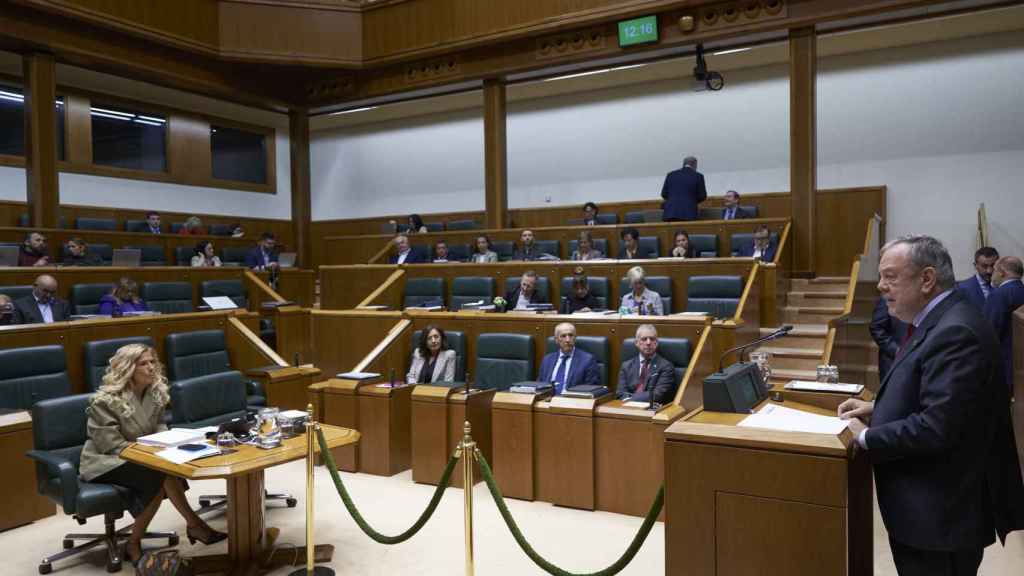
(811,330)
(815,314)
(830,298)
(787,374)
(817,284)
(781,352)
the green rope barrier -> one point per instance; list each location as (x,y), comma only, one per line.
(377,536)
(615,568)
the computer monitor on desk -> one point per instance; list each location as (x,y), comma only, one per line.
(8,256)
(737,388)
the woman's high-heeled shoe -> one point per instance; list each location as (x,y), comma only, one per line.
(209,536)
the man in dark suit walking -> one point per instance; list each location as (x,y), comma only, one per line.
(647,373)
(569,367)
(683,190)
(939,434)
(42,306)
(1005,298)
(978,287)
(888,332)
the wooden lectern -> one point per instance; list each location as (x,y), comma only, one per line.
(438,415)
(745,501)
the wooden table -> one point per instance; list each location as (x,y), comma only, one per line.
(244,472)
(19,498)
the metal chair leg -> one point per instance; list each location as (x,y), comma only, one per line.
(112,538)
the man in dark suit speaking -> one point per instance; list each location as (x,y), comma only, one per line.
(939,432)
(569,366)
(683,191)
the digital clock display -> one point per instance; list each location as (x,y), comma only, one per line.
(638,31)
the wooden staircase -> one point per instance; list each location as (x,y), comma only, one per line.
(810,304)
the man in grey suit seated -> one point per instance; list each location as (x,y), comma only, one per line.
(647,373)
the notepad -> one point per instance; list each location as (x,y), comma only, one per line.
(179,456)
(219,302)
(809,386)
(632,404)
(775,417)
(358,375)
(172,437)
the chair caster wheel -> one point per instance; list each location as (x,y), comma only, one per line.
(291,502)
(45,568)
(204,503)
(172,541)
(114,567)
(68,543)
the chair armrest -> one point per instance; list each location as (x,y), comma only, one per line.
(254,388)
(63,469)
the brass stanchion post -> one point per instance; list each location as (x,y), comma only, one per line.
(468,448)
(310,569)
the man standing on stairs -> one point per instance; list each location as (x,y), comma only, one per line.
(977,288)
(939,433)
(1006,297)
(889,332)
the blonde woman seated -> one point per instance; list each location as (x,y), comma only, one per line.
(430,361)
(129,404)
(205,257)
(585,248)
(640,299)
(193,227)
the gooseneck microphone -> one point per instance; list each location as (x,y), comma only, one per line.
(777,334)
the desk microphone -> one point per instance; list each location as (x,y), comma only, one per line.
(777,334)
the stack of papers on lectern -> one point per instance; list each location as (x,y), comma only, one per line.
(775,417)
(807,385)
(173,437)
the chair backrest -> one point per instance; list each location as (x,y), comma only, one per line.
(462,225)
(552,247)
(233,289)
(599,287)
(85,298)
(458,252)
(654,215)
(152,254)
(600,244)
(60,423)
(207,400)
(424,251)
(704,245)
(183,255)
(15,292)
(176,227)
(220,230)
(136,226)
(710,213)
(23,221)
(434,226)
(455,341)
(235,254)
(423,292)
(199,353)
(675,350)
(595,345)
(471,289)
(660,284)
(543,287)
(634,217)
(716,295)
(609,218)
(503,359)
(168,297)
(96,224)
(505,249)
(98,354)
(574,222)
(751,210)
(744,239)
(648,246)
(104,251)
(28,375)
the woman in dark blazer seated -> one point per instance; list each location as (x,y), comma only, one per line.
(129,404)
(430,361)
(681,247)
(124,298)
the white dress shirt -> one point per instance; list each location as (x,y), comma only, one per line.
(568,366)
(45,310)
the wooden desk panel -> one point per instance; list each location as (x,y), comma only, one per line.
(341,339)
(438,416)
(340,409)
(19,499)
(385,416)
(628,462)
(564,459)
(513,443)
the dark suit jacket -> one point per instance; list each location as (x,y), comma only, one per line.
(740,213)
(683,190)
(999,311)
(767,256)
(512,296)
(888,332)
(972,292)
(661,378)
(26,311)
(940,438)
(254,258)
(414,257)
(582,371)
(88,259)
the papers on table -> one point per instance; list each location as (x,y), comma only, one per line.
(179,456)
(809,386)
(358,375)
(634,404)
(775,417)
(219,302)
(174,437)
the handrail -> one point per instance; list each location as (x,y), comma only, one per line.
(375,259)
(262,287)
(257,342)
(751,279)
(783,238)
(873,221)
(851,286)
(692,367)
(382,346)
(395,276)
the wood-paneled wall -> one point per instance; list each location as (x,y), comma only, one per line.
(311,34)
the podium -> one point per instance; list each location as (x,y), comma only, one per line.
(746,501)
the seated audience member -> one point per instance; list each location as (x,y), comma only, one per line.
(520,297)
(978,288)
(416,225)
(404,254)
(153,222)
(33,251)
(590,214)
(263,256)
(441,251)
(205,257)
(237,231)
(569,367)
(6,310)
(124,299)
(42,306)
(888,332)
(1007,295)
(131,403)
(631,244)
(77,254)
(580,300)
(193,227)
(681,245)
(647,373)
(483,253)
(585,248)
(430,361)
(732,210)
(763,248)
(640,300)
(527,250)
